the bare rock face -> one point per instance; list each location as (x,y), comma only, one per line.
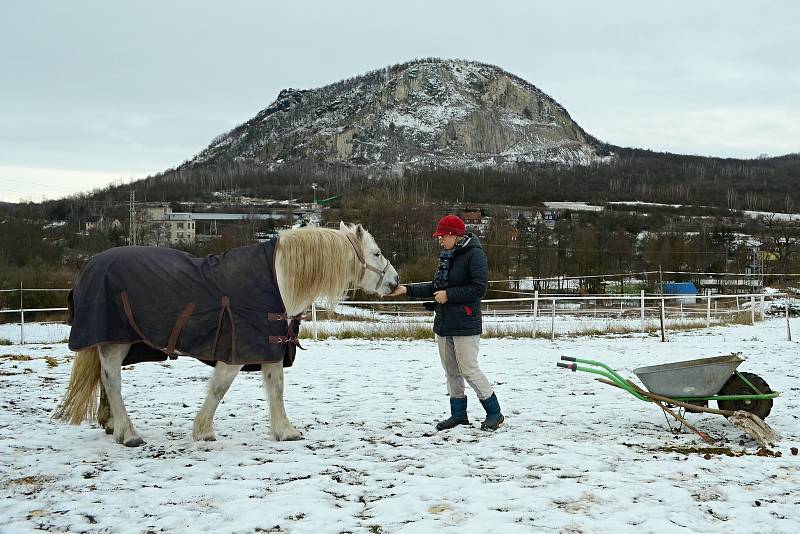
(424,113)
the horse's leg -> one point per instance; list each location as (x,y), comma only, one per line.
(279,426)
(104,418)
(217,387)
(111,358)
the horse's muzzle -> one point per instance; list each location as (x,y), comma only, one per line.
(394,283)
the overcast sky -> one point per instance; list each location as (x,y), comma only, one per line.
(98,91)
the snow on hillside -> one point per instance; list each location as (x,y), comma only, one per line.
(446,113)
(774,215)
(574,455)
(573,206)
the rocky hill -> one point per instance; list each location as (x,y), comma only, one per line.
(439,113)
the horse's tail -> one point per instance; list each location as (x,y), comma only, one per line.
(80,401)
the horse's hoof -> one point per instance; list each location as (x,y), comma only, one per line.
(204,437)
(133,442)
(293,435)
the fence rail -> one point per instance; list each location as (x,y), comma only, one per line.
(534,312)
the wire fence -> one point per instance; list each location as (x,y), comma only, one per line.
(540,315)
(557,315)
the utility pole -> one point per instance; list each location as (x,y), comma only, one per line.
(132,225)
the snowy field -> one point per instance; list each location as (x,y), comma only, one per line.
(574,455)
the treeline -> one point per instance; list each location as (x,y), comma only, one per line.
(698,233)
(637,175)
(583,243)
(767,184)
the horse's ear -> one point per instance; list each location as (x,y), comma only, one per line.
(342,226)
(360,231)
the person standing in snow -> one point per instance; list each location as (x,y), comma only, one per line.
(461,279)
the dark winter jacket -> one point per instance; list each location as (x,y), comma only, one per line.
(467,281)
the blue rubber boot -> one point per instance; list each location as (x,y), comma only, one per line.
(458,414)
(493,416)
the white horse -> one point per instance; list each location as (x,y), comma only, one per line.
(309,263)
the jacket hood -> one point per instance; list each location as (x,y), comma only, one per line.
(472,242)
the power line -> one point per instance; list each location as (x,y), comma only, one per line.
(28,182)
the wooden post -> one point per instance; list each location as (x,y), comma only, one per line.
(708,308)
(535,312)
(553,322)
(762,307)
(753,309)
(314,318)
(641,296)
(788,328)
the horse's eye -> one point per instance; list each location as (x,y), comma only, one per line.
(377,254)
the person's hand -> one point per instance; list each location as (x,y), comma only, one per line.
(440,296)
(398,291)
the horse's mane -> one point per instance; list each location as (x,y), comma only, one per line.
(313,263)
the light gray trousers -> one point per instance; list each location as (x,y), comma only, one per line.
(459,355)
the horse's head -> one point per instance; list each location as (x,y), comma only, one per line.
(378,275)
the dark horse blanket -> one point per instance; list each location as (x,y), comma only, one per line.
(167,303)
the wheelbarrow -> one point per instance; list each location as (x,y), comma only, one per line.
(744,398)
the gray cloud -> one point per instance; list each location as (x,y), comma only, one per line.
(125,88)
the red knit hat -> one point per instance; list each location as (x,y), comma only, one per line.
(449,225)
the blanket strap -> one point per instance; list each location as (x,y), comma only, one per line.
(225,303)
(126,305)
(176,330)
(285,339)
(284,317)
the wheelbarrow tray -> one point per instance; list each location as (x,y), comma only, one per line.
(703,377)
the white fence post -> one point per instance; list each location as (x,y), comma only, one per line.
(314,318)
(21,317)
(708,308)
(788,329)
(535,312)
(762,307)
(553,322)
(752,309)
(641,295)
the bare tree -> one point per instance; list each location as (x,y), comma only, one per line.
(781,238)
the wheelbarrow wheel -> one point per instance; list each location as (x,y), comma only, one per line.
(736,386)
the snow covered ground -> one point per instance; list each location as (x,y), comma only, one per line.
(573,456)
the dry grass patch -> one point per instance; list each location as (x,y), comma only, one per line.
(16,357)
(33,480)
(372,331)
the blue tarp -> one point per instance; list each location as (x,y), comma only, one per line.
(680,288)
